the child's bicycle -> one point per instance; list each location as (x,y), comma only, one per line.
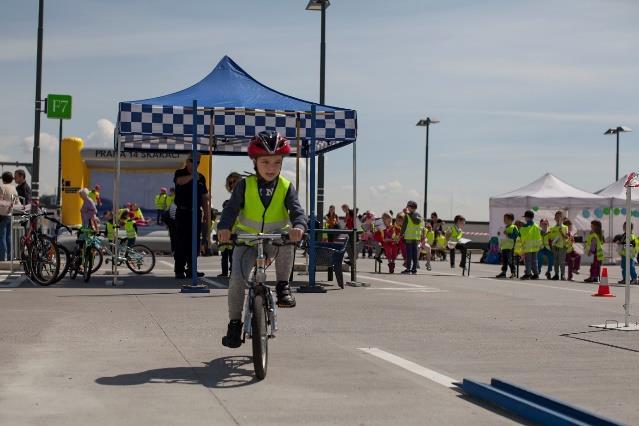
(260,311)
(83,258)
(140,259)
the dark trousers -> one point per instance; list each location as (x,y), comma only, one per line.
(411,255)
(227,261)
(462,249)
(182,255)
(507,259)
(170,224)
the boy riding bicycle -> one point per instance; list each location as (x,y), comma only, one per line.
(262,203)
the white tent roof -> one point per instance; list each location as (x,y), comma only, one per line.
(617,192)
(548,191)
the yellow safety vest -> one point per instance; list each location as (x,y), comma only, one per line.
(94,195)
(519,247)
(430,236)
(530,238)
(555,235)
(413,231)
(441,241)
(160,201)
(110,231)
(598,244)
(255,218)
(169,201)
(508,243)
(633,250)
(129,227)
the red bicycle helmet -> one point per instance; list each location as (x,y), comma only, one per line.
(268,143)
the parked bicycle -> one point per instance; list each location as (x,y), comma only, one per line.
(139,258)
(39,254)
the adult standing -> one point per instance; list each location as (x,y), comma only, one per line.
(331,221)
(183,180)
(22,187)
(8,196)
(88,211)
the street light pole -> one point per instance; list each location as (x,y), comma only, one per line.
(35,175)
(426,123)
(321,5)
(616,131)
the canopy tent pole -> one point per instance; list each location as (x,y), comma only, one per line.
(312,287)
(610,231)
(627,252)
(194,177)
(298,151)
(353,282)
(116,216)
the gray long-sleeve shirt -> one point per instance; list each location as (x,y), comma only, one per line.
(266,191)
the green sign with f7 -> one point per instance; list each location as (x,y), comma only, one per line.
(59,106)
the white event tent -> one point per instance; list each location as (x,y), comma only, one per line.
(545,196)
(616,195)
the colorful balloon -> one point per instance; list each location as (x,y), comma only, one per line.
(585,213)
(599,212)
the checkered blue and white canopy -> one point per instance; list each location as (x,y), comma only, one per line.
(232,108)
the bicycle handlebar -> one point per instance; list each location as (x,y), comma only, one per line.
(275,239)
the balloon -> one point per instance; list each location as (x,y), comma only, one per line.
(635,213)
(598,212)
(606,210)
(535,209)
(616,211)
(623,211)
(585,213)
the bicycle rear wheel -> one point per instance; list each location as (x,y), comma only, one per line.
(65,262)
(98,258)
(45,261)
(259,337)
(140,259)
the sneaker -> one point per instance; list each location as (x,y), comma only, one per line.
(563,278)
(180,275)
(428,268)
(502,275)
(555,278)
(413,272)
(406,271)
(548,275)
(633,282)
(285,298)
(222,275)
(535,277)
(525,277)
(199,274)
(589,280)
(233,338)
(621,282)
(576,272)
(513,275)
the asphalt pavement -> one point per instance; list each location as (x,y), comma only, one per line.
(145,354)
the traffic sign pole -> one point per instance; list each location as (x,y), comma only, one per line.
(59,197)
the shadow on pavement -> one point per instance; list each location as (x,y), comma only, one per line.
(225,372)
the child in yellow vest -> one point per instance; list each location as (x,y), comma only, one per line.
(594,247)
(531,243)
(558,235)
(131,229)
(634,247)
(507,246)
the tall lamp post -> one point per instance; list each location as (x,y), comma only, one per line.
(426,123)
(616,131)
(321,6)
(35,175)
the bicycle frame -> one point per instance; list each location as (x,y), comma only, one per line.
(257,286)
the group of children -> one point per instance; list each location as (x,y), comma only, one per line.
(412,237)
(555,244)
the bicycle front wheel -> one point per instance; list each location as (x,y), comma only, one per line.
(98,258)
(65,262)
(259,337)
(87,265)
(140,259)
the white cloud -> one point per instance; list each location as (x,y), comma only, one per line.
(48,143)
(102,137)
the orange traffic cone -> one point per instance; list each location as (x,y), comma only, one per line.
(604,289)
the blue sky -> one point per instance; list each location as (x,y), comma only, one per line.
(521,88)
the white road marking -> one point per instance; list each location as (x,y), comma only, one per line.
(397,282)
(6,290)
(520,282)
(409,290)
(427,373)
(213,283)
